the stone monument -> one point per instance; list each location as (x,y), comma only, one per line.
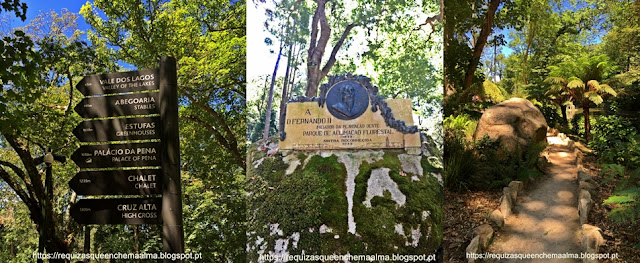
(349,114)
(347,176)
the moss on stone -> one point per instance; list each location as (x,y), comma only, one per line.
(315,194)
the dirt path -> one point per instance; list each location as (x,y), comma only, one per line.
(546,215)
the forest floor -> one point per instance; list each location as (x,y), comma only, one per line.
(620,237)
(545,217)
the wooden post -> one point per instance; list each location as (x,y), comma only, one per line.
(172,229)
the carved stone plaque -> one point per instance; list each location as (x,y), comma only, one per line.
(349,115)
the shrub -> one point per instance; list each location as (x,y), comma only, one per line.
(479,165)
(626,197)
(615,139)
(460,125)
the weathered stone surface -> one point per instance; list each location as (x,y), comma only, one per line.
(552,132)
(497,218)
(591,238)
(515,123)
(474,248)
(516,185)
(584,206)
(292,161)
(310,127)
(571,146)
(585,185)
(411,163)
(360,196)
(506,205)
(380,182)
(584,194)
(485,235)
(583,175)
(513,194)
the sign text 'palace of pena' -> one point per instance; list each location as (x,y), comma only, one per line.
(349,114)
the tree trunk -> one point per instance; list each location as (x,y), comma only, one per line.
(267,119)
(487,25)
(317,46)
(284,99)
(587,122)
(526,51)
(563,109)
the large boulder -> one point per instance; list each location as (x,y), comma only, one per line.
(342,201)
(516,123)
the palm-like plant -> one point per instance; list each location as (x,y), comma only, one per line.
(580,80)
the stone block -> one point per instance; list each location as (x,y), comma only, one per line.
(474,248)
(517,185)
(584,194)
(497,218)
(591,238)
(586,186)
(506,205)
(485,235)
(513,194)
(584,206)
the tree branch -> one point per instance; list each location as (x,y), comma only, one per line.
(334,51)
(29,165)
(234,152)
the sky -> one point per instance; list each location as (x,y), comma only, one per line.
(35,7)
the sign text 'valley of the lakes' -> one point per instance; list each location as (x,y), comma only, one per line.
(349,117)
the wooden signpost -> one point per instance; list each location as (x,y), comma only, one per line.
(118,182)
(139,128)
(131,211)
(123,102)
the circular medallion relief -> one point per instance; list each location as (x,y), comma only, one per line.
(347,100)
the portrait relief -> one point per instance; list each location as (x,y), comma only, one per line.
(347,100)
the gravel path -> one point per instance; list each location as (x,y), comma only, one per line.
(546,216)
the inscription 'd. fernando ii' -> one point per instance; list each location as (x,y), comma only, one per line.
(345,119)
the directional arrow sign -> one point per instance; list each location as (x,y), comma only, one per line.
(120,182)
(141,128)
(121,82)
(134,211)
(119,105)
(118,155)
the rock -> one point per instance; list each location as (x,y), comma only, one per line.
(485,235)
(591,238)
(585,185)
(413,150)
(516,185)
(497,218)
(513,194)
(584,206)
(505,205)
(571,146)
(473,248)
(579,155)
(583,175)
(515,123)
(411,163)
(543,164)
(312,184)
(584,194)
(552,132)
